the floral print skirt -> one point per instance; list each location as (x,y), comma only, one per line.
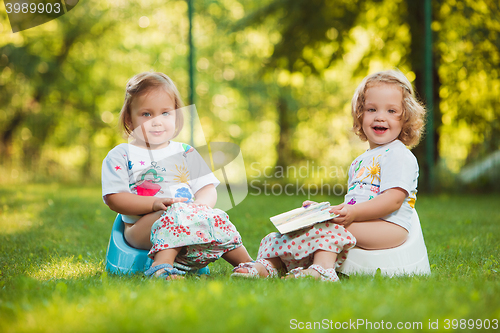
(203,233)
(297,248)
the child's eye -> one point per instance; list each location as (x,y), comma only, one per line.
(167,113)
(371,110)
(146,114)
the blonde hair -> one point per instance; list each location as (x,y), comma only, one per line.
(413,114)
(142,84)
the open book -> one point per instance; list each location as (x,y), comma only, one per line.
(302,217)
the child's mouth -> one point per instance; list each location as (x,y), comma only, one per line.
(379,129)
(156,133)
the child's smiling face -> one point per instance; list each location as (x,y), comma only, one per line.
(382,114)
(152,116)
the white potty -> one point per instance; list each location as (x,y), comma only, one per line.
(410,258)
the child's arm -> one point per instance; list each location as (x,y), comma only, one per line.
(384,204)
(207,195)
(133,204)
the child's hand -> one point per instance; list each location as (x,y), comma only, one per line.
(163,203)
(195,204)
(307,203)
(347,214)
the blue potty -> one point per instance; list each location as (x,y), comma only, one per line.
(121,258)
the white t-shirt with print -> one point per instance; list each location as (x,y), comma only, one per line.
(389,166)
(177,170)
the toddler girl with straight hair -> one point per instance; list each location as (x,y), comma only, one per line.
(382,188)
(164,189)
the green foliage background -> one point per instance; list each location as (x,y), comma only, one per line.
(275,77)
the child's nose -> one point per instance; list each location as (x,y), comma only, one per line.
(156,121)
(379,115)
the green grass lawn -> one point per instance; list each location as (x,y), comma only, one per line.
(52,275)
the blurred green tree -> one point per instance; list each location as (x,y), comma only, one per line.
(468,48)
(274,76)
(63,83)
(304,27)
(397,33)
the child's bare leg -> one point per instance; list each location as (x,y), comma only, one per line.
(275,263)
(138,234)
(166,257)
(325,259)
(377,235)
(237,256)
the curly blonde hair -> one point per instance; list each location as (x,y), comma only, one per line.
(413,115)
(142,84)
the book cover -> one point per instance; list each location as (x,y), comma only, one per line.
(302,217)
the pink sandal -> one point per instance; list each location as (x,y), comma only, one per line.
(324,274)
(253,273)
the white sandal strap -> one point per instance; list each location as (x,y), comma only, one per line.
(325,274)
(296,272)
(250,266)
(252,271)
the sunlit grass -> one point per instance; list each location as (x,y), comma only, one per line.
(52,275)
(65,268)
